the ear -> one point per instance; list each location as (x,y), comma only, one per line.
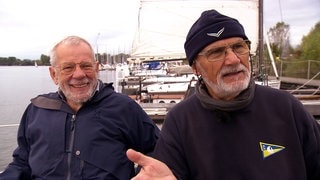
(97,66)
(53,75)
(194,69)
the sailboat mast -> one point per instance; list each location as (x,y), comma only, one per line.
(260,59)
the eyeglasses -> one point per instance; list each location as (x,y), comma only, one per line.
(69,68)
(219,53)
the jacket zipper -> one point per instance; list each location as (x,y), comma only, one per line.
(71,142)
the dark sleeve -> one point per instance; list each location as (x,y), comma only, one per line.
(19,169)
(169,148)
(309,133)
(143,133)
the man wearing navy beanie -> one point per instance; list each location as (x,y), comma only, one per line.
(231,128)
(210,27)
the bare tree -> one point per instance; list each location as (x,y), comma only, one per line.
(279,36)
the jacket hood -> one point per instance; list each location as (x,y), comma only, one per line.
(54,101)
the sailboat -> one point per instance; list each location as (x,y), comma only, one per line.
(163,26)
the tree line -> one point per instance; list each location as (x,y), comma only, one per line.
(45,60)
(13,61)
(301,61)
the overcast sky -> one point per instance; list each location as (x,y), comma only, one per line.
(29,28)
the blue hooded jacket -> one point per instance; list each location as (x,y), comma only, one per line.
(56,143)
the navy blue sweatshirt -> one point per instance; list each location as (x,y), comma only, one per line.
(274,137)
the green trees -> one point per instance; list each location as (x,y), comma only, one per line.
(13,61)
(310,45)
(9,61)
(45,60)
(302,61)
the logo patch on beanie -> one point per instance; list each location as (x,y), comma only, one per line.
(216,34)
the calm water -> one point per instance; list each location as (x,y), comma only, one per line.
(18,86)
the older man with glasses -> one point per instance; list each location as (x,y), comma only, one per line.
(231,128)
(83,130)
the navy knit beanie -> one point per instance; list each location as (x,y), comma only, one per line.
(210,27)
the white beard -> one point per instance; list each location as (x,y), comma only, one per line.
(226,90)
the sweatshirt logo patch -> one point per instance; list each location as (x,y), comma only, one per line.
(270,149)
(216,34)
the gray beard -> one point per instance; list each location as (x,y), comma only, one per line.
(225,90)
(242,100)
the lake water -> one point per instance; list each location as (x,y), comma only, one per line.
(18,86)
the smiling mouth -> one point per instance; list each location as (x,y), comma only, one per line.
(79,85)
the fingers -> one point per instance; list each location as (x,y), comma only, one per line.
(152,169)
(138,157)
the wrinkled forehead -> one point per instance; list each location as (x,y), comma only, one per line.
(74,52)
(69,45)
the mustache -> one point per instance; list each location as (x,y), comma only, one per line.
(233,69)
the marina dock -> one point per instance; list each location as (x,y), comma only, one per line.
(305,90)
(158,111)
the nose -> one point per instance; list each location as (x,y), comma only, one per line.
(231,57)
(78,72)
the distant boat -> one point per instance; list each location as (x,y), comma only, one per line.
(35,64)
(103,67)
